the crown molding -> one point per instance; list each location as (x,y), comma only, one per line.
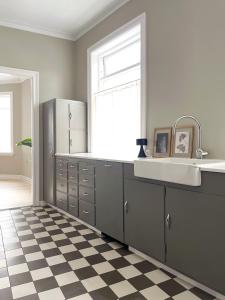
(100,19)
(46,32)
(63,35)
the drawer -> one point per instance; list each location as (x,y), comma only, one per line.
(61,200)
(87,193)
(61,163)
(61,173)
(86,168)
(73,171)
(87,179)
(61,185)
(73,206)
(87,212)
(73,188)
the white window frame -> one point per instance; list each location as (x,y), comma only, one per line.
(11,119)
(141,19)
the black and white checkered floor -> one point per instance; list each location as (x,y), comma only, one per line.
(47,255)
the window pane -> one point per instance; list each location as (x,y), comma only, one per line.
(117,120)
(123,58)
(4,101)
(5,131)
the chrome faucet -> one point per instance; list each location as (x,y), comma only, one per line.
(200,153)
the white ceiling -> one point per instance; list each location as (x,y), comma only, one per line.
(67,19)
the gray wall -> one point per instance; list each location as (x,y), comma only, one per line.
(12,164)
(185,62)
(51,57)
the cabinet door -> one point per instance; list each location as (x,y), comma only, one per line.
(78,138)
(49,151)
(109,199)
(144,217)
(62,126)
(196,236)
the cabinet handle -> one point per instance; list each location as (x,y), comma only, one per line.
(72,166)
(85,212)
(85,194)
(126,207)
(73,206)
(108,166)
(72,177)
(84,169)
(168,221)
(85,180)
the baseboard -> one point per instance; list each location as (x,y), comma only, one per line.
(15,177)
(178,274)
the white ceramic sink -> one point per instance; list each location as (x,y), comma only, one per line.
(177,170)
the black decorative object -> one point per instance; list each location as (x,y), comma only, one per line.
(141,142)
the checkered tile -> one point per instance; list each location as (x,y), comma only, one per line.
(47,255)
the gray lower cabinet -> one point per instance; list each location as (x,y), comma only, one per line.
(195,236)
(144,217)
(87,212)
(109,198)
(73,206)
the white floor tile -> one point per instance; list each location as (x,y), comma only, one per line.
(23,290)
(103,267)
(66,278)
(93,283)
(123,288)
(155,293)
(41,273)
(18,269)
(109,255)
(129,272)
(54,294)
(157,276)
(79,263)
(55,260)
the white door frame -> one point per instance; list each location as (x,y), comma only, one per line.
(34,77)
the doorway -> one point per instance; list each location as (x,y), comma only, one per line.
(19,163)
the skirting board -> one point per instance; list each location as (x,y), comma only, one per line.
(178,274)
(152,260)
(15,177)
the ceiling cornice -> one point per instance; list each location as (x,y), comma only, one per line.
(62,35)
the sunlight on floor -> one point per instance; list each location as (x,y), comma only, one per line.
(15,193)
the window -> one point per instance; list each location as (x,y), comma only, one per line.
(116,91)
(6,138)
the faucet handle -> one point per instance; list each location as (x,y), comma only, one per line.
(200,153)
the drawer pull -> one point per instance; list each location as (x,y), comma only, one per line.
(85,180)
(60,200)
(73,206)
(85,194)
(72,166)
(84,169)
(126,207)
(72,177)
(168,221)
(108,166)
(85,212)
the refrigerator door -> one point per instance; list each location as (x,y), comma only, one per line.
(78,127)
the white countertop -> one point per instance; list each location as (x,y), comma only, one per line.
(217,166)
(99,156)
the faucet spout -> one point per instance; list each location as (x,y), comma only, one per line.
(200,153)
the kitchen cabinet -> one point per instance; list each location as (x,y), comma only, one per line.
(64,131)
(144,217)
(109,198)
(195,236)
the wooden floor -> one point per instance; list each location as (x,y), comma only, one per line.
(15,193)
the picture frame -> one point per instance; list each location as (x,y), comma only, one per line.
(182,144)
(162,142)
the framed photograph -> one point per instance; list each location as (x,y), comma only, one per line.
(162,142)
(183,142)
